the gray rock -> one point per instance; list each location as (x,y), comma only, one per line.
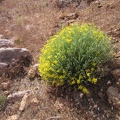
(69,16)
(118,83)
(115,64)
(13,60)
(13,55)
(5,86)
(64,3)
(13,117)
(1,36)
(33,72)
(6,43)
(116,73)
(3,69)
(34,101)
(23,102)
(6,93)
(113,94)
(17,96)
(88,1)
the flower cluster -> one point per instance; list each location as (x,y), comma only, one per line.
(73,54)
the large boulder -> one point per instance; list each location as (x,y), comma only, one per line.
(13,60)
(13,55)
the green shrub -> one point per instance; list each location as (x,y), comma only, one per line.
(73,54)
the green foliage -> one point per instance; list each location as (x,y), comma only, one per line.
(3,100)
(72,56)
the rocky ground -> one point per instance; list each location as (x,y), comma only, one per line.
(24,27)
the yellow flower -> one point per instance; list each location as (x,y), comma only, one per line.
(88,74)
(102,36)
(73,82)
(87,70)
(61,77)
(72,78)
(109,38)
(69,40)
(58,71)
(85,90)
(94,64)
(55,62)
(78,81)
(94,80)
(61,82)
(92,69)
(80,87)
(80,77)
(53,82)
(102,69)
(49,57)
(89,79)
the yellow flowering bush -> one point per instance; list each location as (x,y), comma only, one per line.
(72,55)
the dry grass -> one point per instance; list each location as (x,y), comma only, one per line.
(30,23)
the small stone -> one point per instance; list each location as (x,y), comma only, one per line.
(81,95)
(69,16)
(1,36)
(118,83)
(5,86)
(95,106)
(33,72)
(71,21)
(113,94)
(72,16)
(13,117)
(36,88)
(100,94)
(116,73)
(58,105)
(34,101)
(109,82)
(99,6)
(88,1)
(6,92)
(17,96)
(6,43)
(23,102)
(117,55)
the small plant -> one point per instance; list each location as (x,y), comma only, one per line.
(72,55)
(19,41)
(20,20)
(3,100)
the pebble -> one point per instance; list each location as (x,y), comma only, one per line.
(5,86)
